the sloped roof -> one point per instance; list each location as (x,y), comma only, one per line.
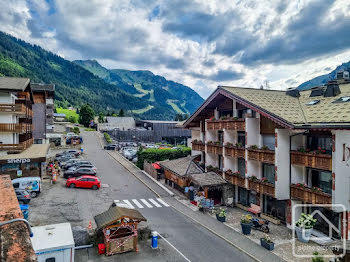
(14,83)
(208,179)
(115,213)
(33,152)
(288,111)
(42,87)
(182,166)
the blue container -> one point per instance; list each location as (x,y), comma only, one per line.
(25,210)
(154,239)
(246,228)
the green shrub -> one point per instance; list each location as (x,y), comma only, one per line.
(155,154)
(107,137)
(76,130)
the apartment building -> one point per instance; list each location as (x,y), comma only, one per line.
(15,114)
(43,109)
(280,148)
(18,156)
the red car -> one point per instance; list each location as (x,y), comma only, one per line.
(84,182)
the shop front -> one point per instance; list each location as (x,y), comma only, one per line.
(29,163)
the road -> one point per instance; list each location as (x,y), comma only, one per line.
(192,240)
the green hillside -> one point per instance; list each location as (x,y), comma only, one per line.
(158,91)
(137,92)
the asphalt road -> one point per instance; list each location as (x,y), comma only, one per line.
(192,240)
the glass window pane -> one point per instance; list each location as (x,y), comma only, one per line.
(269,173)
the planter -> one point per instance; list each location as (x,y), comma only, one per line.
(221,219)
(268,245)
(303,234)
(271,219)
(246,228)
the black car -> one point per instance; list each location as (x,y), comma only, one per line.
(111,147)
(79,172)
(22,196)
(77,164)
(74,152)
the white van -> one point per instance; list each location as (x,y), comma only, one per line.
(30,184)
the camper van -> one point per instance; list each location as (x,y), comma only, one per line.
(30,184)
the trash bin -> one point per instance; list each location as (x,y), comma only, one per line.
(101,249)
(25,210)
(154,235)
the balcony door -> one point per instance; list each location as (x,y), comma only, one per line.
(320,179)
(269,172)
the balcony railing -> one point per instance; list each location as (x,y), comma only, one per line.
(267,189)
(15,128)
(214,148)
(235,151)
(235,179)
(13,108)
(215,169)
(308,195)
(231,124)
(265,156)
(321,161)
(254,185)
(198,146)
(16,147)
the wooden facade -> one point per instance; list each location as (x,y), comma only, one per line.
(235,179)
(214,149)
(198,146)
(16,128)
(265,156)
(307,195)
(321,161)
(232,124)
(178,180)
(234,152)
(267,189)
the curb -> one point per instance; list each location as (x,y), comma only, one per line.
(145,173)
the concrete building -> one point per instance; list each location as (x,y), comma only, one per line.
(279,149)
(43,109)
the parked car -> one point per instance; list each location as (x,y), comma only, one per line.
(65,157)
(75,152)
(31,184)
(129,153)
(84,182)
(79,172)
(22,196)
(111,147)
(77,139)
(77,163)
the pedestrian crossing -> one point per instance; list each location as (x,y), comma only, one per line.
(142,203)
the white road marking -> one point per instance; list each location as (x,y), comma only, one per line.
(137,203)
(178,251)
(162,202)
(154,202)
(146,203)
(128,203)
(116,201)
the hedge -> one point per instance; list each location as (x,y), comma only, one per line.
(152,155)
(108,138)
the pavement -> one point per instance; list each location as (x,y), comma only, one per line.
(196,237)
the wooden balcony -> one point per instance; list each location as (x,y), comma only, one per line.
(235,151)
(13,108)
(265,156)
(308,195)
(17,147)
(16,128)
(214,149)
(235,179)
(254,185)
(232,124)
(267,189)
(216,170)
(198,146)
(321,161)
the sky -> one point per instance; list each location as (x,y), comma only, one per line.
(199,43)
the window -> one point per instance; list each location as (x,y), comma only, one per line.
(51,259)
(220,162)
(269,173)
(84,179)
(323,142)
(91,180)
(241,166)
(221,137)
(313,102)
(342,99)
(243,196)
(320,179)
(241,138)
(38,141)
(269,141)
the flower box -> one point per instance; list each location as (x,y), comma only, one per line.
(268,245)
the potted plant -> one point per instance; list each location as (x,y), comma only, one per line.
(304,227)
(267,243)
(221,215)
(265,148)
(238,145)
(254,147)
(246,224)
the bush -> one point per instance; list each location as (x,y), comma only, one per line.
(108,138)
(155,154)
(76,130)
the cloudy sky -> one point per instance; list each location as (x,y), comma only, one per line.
(200,43)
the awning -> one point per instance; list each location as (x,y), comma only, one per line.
(34,153)
(156,166)
(208,179)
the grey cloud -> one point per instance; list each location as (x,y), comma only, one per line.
(221,75)
(306,37)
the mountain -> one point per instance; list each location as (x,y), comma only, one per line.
(156,90)
(76,85)
(320,80)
